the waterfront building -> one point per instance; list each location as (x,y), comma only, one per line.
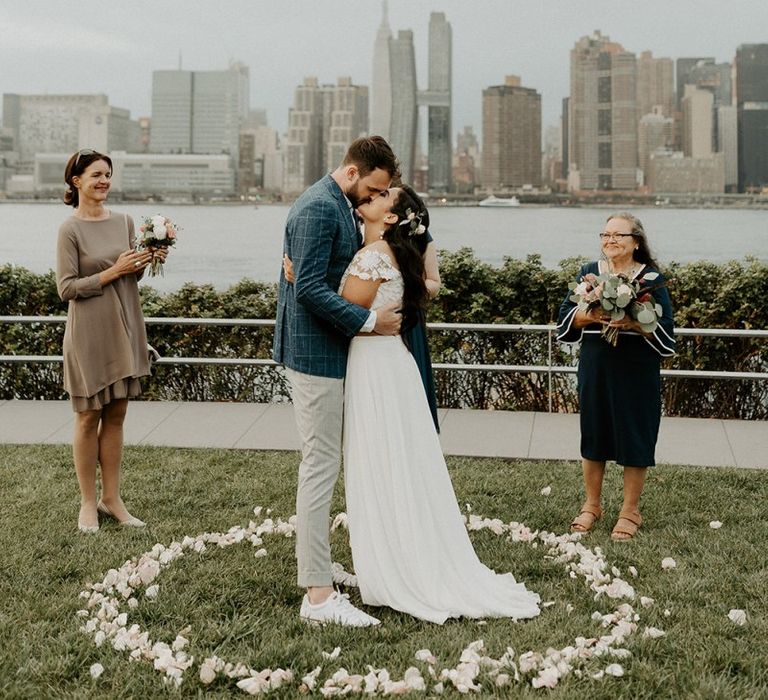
(683,68)
(348,120)
(438,101)
(381,85)
(148,174)
(220,104)
(698,128)
(564,133)
(404,115)
(511,136)
(322,123)
(728,144)
(171,111)
(655,85)
(674,173)
(466,161)
(655,132)
(752,109)
(257,144)
(65,123)
(304,142)
(714,77)
(199,111)
(602,116)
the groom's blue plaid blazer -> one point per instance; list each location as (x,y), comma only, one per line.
(314,324)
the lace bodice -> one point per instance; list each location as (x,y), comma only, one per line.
(374,264)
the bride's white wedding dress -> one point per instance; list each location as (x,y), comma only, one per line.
(410,547)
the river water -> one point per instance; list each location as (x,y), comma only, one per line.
(223,244)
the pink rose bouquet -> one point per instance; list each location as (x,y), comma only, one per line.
(156,231)
(619,296)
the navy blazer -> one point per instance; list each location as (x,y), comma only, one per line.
(314,324)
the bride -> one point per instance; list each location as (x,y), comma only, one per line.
(410,547)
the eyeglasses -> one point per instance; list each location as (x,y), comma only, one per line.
(613,236)
(83,152)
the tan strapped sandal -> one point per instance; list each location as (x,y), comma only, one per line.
(626,526)
(586,519)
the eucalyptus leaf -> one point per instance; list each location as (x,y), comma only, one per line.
(650,276)
(659,311)
(623,300)
(646,316)
(607,304)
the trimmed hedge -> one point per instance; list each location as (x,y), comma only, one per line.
(704,295)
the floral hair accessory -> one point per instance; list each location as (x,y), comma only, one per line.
(413,220)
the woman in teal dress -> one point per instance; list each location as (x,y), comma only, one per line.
(416,337)
(619,386)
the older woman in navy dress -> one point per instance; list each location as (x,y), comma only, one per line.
(619,387)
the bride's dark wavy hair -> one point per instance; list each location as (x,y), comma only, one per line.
(408,247)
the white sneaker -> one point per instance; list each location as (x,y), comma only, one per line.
(335,609)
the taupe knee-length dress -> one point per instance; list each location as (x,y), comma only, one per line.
(105,341)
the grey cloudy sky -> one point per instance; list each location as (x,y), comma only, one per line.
(113,47)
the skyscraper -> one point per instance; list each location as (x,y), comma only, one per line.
(439,105)
(48,123)
(697,122)
(199,111)
(684,66)
(322,123)
(655,84)
(381,89)
(349,120)
(404,121)
(654,132)
(602,115)
(728,144)
(752,108)
(304,143)
(511,136)
(171,111)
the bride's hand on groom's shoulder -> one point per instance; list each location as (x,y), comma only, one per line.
(388,319)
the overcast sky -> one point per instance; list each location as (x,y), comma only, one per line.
(113,46)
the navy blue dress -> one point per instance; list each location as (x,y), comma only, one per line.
(619,387)
(416,340)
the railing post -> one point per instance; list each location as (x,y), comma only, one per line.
(549,369)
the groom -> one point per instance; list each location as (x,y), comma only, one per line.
(312,333)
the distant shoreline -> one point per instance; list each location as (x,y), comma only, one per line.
(526,201)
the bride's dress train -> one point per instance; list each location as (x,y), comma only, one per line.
(410,546)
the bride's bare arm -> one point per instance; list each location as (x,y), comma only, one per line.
(359,291)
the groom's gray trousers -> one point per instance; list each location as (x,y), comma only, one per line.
(318,405)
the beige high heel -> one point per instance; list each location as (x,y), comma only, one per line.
(128,522)
(87,529)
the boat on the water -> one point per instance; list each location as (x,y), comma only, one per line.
(494,201)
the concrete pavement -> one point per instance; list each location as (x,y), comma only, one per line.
(523,435)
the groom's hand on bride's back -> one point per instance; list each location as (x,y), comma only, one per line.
(388,319)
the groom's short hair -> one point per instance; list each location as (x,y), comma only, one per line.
(371,152)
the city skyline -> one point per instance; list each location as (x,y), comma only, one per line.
(45,49)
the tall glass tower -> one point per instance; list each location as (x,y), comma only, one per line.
(439,104)
(752,111)
(381,93)
(405,111)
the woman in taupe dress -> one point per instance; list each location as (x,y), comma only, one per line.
(105,342)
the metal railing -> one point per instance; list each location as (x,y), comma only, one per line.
(549,369)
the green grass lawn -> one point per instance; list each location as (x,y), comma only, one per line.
(245,609)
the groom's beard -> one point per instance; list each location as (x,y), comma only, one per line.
(353,195)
